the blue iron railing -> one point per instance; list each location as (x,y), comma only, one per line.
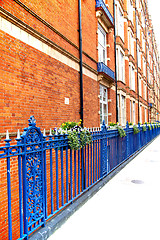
(102,68)
(101,4)
(44,175)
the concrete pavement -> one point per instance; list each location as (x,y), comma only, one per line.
(126,208)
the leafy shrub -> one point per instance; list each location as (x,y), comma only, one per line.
(121,132)
(85,138)
(135,129)
(73,140)
(77,136)
(111,124)
(144,128)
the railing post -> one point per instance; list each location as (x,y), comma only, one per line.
(127,139)
(146,133)
(33,178)
(18,139)
(24,189)
(103,149)
(45,174)
(151,132)
(139,136)
(7,140)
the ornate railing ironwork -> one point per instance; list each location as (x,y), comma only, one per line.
(44,175)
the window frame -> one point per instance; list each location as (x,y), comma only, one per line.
(120,22)
(102,115)
(102,47)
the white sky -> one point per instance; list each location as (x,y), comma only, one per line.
(154,11)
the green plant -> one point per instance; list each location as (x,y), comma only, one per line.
(130,124)
(149,127)
(77,137)
(73,140)
(111,124)
(77,140)
(135,129)
(144,128)
(85,138)
(152,126)
(121,132)
(69,125)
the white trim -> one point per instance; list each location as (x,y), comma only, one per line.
(131,71)
(103,103)
(121,113)
(119,49)
(102,48)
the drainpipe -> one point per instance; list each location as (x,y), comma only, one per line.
(115,54)
(137,58)
(80,63)
(81,92)
(146,59)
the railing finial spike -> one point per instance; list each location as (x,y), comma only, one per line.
(32,121)
(50,132)
(18,134)
(7,135)
(44,132)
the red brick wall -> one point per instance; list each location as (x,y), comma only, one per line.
(36,84)
(63,16)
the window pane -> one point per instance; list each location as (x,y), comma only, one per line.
(104,95)
(100,108)
(105,119)
(101,93)
(104,56)
(103,104)
(105,109)
(102,53)
(101,38)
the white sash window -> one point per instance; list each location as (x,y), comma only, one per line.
(102,52)
(103,104)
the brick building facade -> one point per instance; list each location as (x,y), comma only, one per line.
(40,70)
(40,63)
(137,64)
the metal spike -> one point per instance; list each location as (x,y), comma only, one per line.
(7,135)
(44,133)
(50,132)
(18,134)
